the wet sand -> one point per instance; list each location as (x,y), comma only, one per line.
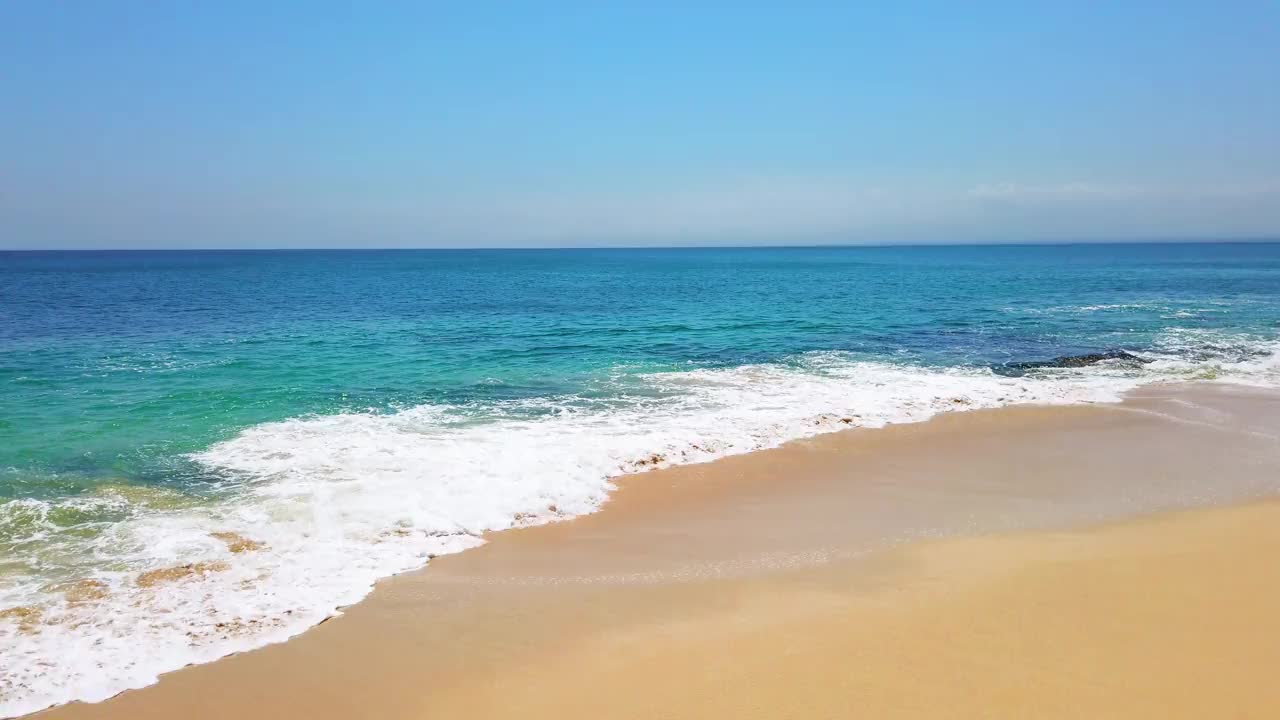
(1100,561)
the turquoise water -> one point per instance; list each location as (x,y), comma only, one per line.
(353,413)
(114,364)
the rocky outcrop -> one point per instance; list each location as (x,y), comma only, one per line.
(1074,361)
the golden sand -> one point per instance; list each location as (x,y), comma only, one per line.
(152,578)
(1166,618)
(26,617)
(238,543)
(761,586)
(83,591)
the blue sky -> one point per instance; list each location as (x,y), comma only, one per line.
(322,124)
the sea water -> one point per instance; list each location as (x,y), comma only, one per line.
(204,452)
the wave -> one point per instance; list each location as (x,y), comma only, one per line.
(312,511)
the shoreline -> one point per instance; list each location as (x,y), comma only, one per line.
(853,509)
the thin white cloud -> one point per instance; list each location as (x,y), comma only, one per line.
(1086,191)
(1060,191)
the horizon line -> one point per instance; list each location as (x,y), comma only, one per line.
(1261,240)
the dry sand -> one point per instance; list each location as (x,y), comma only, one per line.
(984,564)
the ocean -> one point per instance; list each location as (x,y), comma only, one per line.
(203,452)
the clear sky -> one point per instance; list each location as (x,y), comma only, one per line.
(322,124)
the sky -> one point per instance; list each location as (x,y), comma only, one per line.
(509,124)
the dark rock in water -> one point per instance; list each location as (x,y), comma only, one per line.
(1076,361)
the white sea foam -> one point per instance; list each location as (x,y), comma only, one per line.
(337,502)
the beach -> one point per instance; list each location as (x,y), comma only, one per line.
(1108,560)
(196,466)
(639,361)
